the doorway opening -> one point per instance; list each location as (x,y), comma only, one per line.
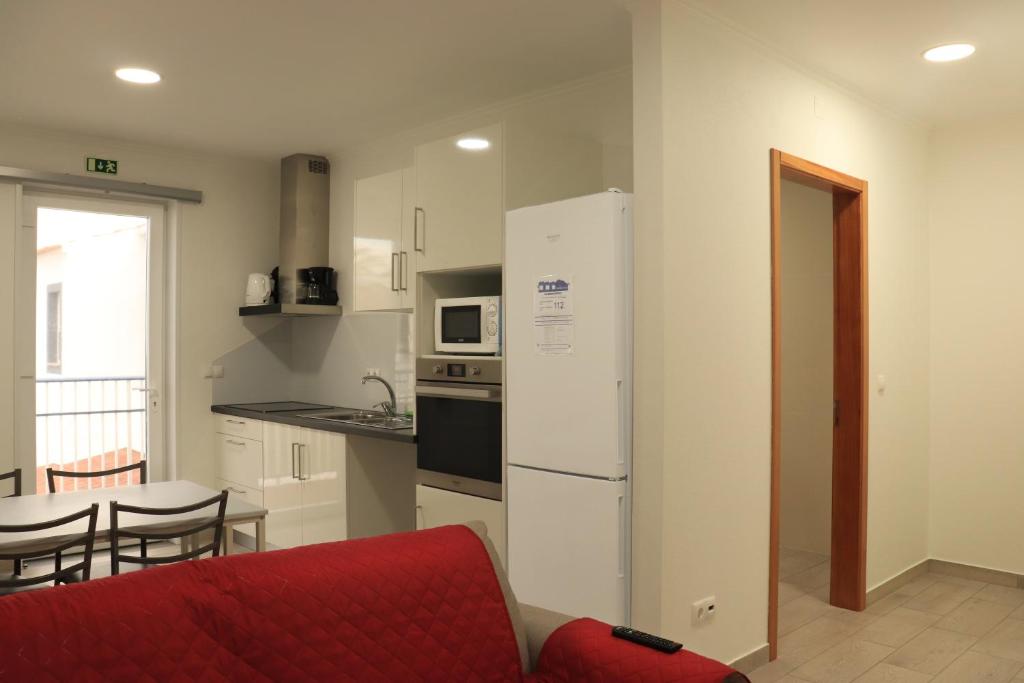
(818,514)
(97,280)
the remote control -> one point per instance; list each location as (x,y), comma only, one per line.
(646,639)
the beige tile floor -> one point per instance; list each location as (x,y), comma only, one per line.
(937,628)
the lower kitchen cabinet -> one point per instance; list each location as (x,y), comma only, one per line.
(317,486)
(303,485)
(437,507)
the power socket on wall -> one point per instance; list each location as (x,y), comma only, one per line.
(703,610)
(373,371)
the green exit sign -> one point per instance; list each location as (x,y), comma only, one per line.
(101,165)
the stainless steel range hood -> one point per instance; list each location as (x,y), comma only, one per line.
(304,236)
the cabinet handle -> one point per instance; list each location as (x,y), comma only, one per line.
(303,449)
(294,476)
(235,443)
(394,257)
(235,422)
(416,229)
(404,267)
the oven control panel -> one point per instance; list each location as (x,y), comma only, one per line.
(481,370)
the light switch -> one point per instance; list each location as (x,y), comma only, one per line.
(882,383)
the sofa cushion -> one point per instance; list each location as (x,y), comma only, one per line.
(422,606)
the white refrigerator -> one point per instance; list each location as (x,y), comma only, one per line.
(568,396)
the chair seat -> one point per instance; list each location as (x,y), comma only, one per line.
(11,590)
(8,590)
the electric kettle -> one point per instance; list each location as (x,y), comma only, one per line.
(257,289)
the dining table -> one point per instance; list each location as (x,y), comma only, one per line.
(22,510)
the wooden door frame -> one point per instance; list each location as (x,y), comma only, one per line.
(850,361)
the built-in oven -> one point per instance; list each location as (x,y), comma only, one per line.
(458,424)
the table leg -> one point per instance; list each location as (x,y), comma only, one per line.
(261,534)
(229,539)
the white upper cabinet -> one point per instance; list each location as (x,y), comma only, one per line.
(383,230)
(378,242)
(460,208)
(407,257)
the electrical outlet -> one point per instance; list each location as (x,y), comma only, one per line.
(702,610)
(375,372)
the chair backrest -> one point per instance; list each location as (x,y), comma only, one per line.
(14,474)
(167,531)
(52,473)
(55,547)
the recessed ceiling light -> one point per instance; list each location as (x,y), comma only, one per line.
(134,75)
(473,143)
(949,53)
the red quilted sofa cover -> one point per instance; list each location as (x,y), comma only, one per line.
(422,606)
(584,650)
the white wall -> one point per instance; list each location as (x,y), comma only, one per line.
(233,232)
(724,102)
(807,360)
(977,329)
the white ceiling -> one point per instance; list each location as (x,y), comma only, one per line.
(875,46)
(272,77)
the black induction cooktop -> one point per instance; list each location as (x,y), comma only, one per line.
(278,406)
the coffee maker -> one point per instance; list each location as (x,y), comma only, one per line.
(319,286)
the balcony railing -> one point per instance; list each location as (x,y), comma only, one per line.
(87,424)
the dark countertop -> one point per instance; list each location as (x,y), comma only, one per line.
(299,418)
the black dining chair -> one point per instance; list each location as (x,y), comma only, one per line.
(77,572)
(52,474)
(166,531)
(14,474)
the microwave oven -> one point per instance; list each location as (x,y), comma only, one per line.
(470,325)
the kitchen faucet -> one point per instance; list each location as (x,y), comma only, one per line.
(389,407)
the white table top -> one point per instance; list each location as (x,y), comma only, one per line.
(49,506)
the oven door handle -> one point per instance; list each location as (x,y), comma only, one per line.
(466,393)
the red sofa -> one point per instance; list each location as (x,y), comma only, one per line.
(421,606)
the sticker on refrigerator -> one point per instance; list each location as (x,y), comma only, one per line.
(554,326)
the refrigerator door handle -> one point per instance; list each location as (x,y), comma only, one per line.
(622,536)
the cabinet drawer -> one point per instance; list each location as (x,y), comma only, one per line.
(240,461)
(237,491)
(244,427)
(240,492)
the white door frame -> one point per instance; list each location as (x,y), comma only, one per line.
(159,324)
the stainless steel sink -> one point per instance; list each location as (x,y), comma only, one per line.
(365,418)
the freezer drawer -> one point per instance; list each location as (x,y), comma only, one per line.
(568,544)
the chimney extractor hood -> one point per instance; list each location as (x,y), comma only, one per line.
(304,236)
